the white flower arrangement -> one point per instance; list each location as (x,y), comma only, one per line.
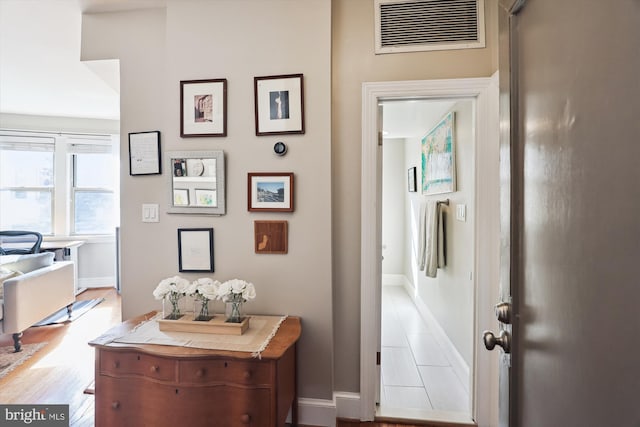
(235,289)
(204,288)
(172,289)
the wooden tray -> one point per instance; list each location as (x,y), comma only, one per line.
(217,325)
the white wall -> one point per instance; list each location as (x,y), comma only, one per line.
(449,296)
(394,187)
(236,40)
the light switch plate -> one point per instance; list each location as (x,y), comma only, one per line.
(461,212)
(150,212)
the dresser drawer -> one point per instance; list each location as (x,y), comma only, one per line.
(132,402)
(227,371)
(122,363)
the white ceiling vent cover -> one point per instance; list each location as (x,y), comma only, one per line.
(423,25)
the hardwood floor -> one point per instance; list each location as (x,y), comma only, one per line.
(63,369)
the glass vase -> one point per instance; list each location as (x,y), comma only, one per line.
(233,310)
(201,310)
(172,307)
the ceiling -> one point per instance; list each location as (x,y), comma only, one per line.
(412,118)
(41,72)
(40,68)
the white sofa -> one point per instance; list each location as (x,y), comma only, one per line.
(33,287)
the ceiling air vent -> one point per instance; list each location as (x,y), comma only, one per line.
(423,25)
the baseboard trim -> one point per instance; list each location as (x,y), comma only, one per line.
(393,279)
(322,412)
(458,363)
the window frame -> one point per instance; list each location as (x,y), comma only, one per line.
(63,190)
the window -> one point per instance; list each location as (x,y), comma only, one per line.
(59,184)
(26,184)
(93,189)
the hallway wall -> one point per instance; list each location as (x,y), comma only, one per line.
(449,296)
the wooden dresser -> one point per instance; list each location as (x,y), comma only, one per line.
(157,385)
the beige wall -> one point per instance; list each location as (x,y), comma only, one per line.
(354,62)
(236,40)
(320,278)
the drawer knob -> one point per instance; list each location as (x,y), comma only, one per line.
(200,373)
(116,364)
(115,405)
(154,368)
(247,375)
(245,418)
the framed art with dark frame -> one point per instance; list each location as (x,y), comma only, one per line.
(195,250)
(279,104)
(144,153)
(411,179)
(203,108)
(270,192)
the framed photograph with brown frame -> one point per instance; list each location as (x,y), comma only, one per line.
(271,237)
(279,104)
(203,108)
(270,192)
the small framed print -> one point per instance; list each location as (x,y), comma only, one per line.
(195,250)
(180,197)
(206,197)
(271,237)
(144,153)
(203,108)
(411,179)
(279,104)
(270,192)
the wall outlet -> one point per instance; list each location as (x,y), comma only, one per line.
(461,212)
(150,213)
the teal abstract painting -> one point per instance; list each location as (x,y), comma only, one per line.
(438,158)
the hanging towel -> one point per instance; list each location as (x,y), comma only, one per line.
(431,238)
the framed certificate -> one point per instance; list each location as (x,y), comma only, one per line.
(144,153)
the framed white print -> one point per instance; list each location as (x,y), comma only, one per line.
(195,250)
(279,104)
(203,108)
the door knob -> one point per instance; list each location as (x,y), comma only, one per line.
(503,340)
(503,312)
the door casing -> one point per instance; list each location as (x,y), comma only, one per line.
(487,236)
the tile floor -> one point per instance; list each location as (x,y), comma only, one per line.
(415,372)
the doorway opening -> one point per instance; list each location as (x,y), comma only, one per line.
(447,328)
(427,322)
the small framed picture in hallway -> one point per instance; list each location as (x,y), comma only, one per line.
(411,178)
